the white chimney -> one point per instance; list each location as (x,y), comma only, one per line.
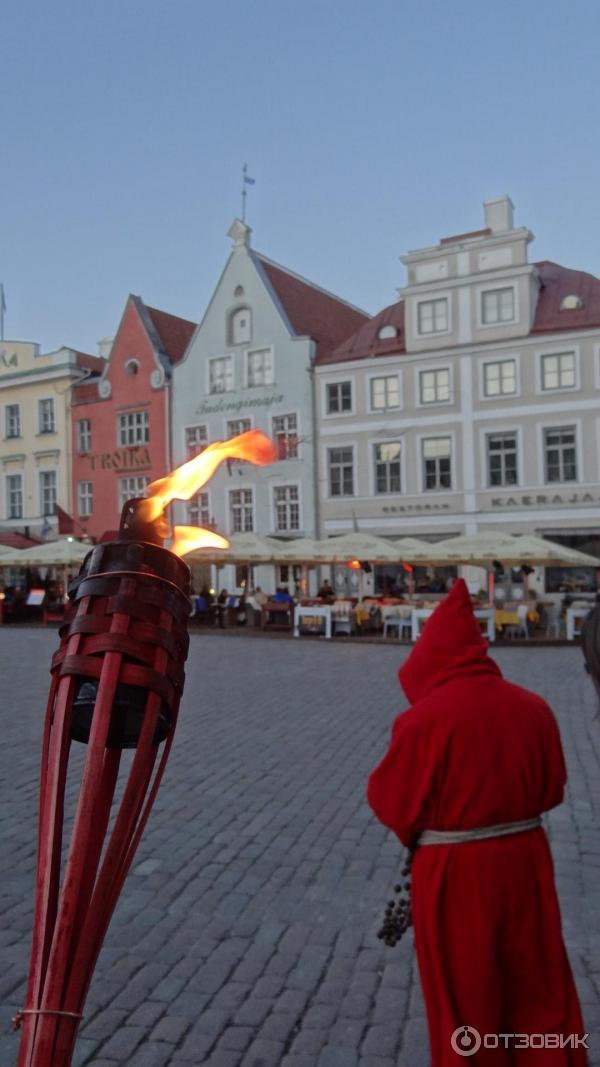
(499,214)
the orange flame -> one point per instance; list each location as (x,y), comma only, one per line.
(185,481)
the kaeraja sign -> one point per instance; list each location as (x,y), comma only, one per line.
(534,500)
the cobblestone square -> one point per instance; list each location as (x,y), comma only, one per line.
(245,933)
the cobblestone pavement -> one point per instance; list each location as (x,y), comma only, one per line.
(245,935)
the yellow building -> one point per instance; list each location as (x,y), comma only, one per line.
(35,432)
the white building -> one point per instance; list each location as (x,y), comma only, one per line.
(250,364)
(471,403)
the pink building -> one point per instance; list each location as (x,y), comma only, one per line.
(122,419)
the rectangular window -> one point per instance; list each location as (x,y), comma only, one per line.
(237,426)
(387,467)
(341,472)
(437,463)
(196,440)
(500,379)
(14,496)
(287,508)
(260,367)
(85,499)
(502,458)
(198,510)
(46,416)
(560,450)
(47,492)
(134,428)
(84,436)
(497,305)
(385,393)
(13,420)
(133,486)
(339,397)
(434,386)
(220,374)
(433,316)
(285,435)
(558,371)
(241,512)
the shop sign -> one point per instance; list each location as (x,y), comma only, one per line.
(135,457)
(415,507)
(537,499)
(216,407)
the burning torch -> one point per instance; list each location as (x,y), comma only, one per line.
(117,680)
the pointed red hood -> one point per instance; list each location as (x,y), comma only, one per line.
(451,644)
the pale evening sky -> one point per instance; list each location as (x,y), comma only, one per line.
(370,128)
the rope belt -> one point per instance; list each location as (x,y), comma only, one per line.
(479,833)
(17,1020)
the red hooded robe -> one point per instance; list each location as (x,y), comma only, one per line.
(475,750)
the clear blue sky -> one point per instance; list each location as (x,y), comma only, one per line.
(370,128)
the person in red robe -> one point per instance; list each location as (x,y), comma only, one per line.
(475,752)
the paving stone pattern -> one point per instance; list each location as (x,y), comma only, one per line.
(245,934)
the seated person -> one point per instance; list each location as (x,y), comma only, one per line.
(261,597)
(282,596)
(326,592)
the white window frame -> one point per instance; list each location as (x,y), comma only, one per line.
(416,316)
(558,424)
(188,506)
(47,470)
(327,449)
(21,476)
(372,444)
(194,426)
(370,378)
(495,288)
(489,430)
(450,434)
(144,426)
(46,400)
(286,485)
(12,436)
(557,350)
(351,378)
(286,415)
(132,491)
(209,363)
(252,352)
(433,369)
(237,489)
(503,432)
(83,451)
(500,358)
(237,418)
(85,514)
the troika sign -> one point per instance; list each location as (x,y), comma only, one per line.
(537,499)
(215,407)
(132,458)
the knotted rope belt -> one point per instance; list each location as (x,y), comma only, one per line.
(398,914)
(478,833)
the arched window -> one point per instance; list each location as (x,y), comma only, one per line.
(571,303)
(240,326)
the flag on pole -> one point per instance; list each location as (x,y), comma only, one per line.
(249,181)
(2,298)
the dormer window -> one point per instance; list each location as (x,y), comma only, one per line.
(132,367)
(386,333)
(240,327)
(571,303)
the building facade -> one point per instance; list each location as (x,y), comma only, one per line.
(121,422)
(250,365)
(36,390)
(473,402)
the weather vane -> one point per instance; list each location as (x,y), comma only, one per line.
(246,180)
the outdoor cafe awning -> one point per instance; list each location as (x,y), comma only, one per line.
(485,548)
(63,553)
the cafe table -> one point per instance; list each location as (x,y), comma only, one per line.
(312,611)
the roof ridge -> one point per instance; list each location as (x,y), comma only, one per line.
(312,285)
(170,314)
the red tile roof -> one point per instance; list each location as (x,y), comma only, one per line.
(311,311)
(13,539)
(95,364)
(175,333)
(365,342)
(558,282)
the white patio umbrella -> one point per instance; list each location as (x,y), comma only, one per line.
(243,548)
(489,546)
(63,553)
(356,545)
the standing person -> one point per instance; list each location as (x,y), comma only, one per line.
(476,760)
